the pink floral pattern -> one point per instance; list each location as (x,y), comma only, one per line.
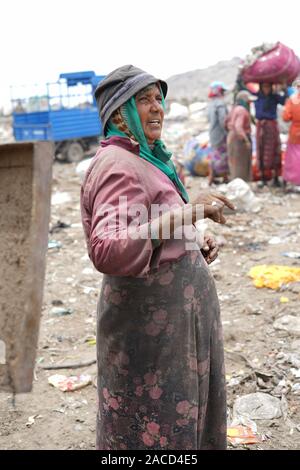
(161,372)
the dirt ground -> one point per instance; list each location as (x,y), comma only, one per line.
(257,355)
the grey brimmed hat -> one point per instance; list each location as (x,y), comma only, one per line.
(119,86)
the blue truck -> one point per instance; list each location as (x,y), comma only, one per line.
(64,112)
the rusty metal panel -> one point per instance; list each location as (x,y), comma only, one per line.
(25,191)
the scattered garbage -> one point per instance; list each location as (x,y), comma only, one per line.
(288,323)
(233,382)
(60,198)
(242,431)
(31,420)
(295,372)
(2,352)
(88,290)
(197,107)
(88,271)
(196,157)
(69,384)
(82,168)
(58,227)
(284,300)
(292,254)
(295,288)
(291,358)
(240,193)
(273,276)
(257,406)
(252,309)
(61,311)
(296,389)
(177,112)
(54,244)
(240,435)
(91,342)
(275,241)
(57,302)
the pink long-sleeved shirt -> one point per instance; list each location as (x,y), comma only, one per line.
(239,122)
(117,171)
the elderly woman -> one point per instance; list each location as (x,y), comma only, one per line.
(161,381)
(239,137)
(291,113)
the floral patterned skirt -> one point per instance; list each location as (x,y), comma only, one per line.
(218,159)
(161,379)
(268,146)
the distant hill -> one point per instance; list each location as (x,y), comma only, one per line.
(192,86)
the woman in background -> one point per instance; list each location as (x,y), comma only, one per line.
(217,113)
(239,137)
(291,173)
(268,146)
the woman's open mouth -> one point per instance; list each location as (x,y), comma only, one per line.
(154,122)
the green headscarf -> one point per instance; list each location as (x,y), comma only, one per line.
(159,156)
(243,103)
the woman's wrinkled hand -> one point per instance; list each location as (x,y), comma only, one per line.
(214,204)
(210,249)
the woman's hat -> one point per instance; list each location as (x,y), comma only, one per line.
(245,96)
(220,85)
(119,86)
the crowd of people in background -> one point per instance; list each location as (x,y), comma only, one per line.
(230,133)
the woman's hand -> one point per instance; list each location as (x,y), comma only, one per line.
(214,204)
(210,249)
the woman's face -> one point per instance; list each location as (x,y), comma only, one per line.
(266,88)
(150,109)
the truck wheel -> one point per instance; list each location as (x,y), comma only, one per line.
(74,152)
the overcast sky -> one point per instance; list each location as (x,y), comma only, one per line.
(40,39)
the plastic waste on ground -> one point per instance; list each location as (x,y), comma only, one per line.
(288,323)
(82,168)
(292,254)
(177,111)
(69,384)
(197,106)
(240,193)
(296,373)
(273,64)
(257,406)
(61,311)
(241,435)
(197,156)
(60,198)
(54,244)
(275,241)
(31,420)
(58,227)
(296,388)
(273,276)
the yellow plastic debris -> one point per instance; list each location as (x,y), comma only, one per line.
(284,300)
(274,276)
(242,435)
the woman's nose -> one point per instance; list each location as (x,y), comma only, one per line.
(155,105)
